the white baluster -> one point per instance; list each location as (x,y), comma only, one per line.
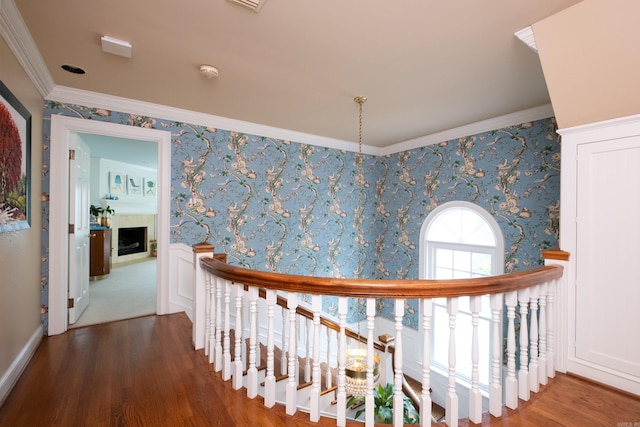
(475,397)
(270,380)
(238,364)
(207,312)
(534,384)
(451,400)
(257,342)
(283,356)
(295,350)
(369,402)
(425,398)
(307,360)
(314,403)
(542,360)
(246,327)
(252,372)
(398,396)
(341,415)
(218,344)
(511,383)
(292,304)
(211,321)
(495,389)
(328,377)
(523,373)
(226,344)
(551,330)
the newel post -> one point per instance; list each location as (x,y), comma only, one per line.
(200,250)
(559,294)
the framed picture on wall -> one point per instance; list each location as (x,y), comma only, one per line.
(134,185)
(150,187)
(15,163)
(117,183)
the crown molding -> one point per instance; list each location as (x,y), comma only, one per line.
(131,106)
(14,31)
(512,119)
(620,127)
(126,105)
(526,36)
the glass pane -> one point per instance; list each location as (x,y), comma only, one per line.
(444,258)
(462,262)
(443,273)
(461,225)
(481,264)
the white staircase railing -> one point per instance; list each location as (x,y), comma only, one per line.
(232,294)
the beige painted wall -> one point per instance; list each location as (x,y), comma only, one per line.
(20,256)
(591,61)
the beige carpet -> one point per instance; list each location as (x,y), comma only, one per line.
(129,291)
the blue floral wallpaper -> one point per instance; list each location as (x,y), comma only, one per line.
(283,206)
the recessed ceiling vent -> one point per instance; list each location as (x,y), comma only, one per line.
(254,5)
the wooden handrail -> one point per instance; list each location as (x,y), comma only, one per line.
(367,288)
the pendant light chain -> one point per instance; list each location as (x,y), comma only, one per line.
(360,182)
(356,369)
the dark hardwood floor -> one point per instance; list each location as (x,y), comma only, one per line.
(144,372)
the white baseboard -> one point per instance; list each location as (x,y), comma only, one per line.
(11,376)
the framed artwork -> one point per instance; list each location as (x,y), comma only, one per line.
(150,187)
(117,183)
(134,185)
(15,163)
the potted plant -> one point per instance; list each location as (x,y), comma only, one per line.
(105,219)
(383,406)
(95,212)
(154,247)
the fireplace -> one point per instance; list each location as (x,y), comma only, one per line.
(132,240)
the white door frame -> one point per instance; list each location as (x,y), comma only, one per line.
(61,130)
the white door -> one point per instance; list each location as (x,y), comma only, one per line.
(608,245)
(79,243)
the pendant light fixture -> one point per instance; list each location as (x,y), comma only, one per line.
(356,365)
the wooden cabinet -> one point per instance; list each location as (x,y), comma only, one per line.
(100,252)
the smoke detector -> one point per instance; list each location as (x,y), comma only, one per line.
(209,71)
(254,5)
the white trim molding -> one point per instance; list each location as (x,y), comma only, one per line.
(11,376)
(15,32)
(519,117)
(61,129)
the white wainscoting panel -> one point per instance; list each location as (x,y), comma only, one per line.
(181,283)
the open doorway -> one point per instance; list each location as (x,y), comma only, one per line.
(64,130)
(126,287)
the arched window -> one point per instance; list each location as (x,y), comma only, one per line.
(461,240)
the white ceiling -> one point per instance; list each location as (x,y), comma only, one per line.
(425,66)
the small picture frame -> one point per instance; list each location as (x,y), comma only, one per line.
(150,187)
(134,185)
(117,183)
